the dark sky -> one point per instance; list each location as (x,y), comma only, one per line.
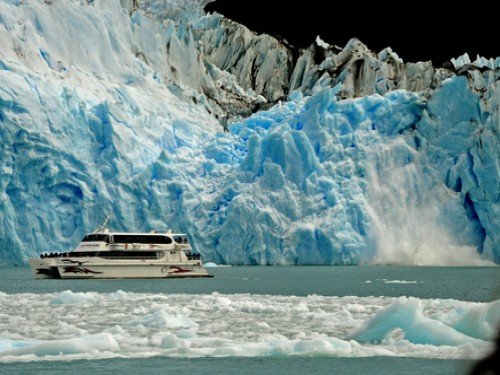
(429,31)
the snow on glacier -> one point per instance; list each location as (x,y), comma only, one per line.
(480,62)
(112,112)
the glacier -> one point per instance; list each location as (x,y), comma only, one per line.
(160,114)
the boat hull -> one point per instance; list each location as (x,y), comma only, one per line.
(95,269)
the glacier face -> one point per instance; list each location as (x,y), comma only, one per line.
(339,182)
(112,107)
(86,102)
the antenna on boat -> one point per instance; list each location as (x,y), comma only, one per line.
(103,227)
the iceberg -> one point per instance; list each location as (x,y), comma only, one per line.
(407,315)
(72,346)
(161,114)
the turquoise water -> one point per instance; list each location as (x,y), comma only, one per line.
(478,284)
(253,302)
(276,365)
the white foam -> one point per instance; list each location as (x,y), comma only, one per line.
(67,326)
(400,281)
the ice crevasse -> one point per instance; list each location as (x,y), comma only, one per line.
(128,124)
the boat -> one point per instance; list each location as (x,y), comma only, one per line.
(117,255)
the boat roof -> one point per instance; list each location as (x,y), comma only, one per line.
(140,233)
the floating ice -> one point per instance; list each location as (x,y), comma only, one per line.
(143,325)
(480,321)
(210,265)
(158,318)
(84,344)
(407,315)
(69,297)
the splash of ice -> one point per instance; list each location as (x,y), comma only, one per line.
(410,211)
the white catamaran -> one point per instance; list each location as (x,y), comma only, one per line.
(110,255)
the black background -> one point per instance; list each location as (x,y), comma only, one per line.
(417,30)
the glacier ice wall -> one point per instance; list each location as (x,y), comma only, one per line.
(87,100)
(320,181)
(116,106)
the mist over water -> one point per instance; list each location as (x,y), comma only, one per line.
(410,211)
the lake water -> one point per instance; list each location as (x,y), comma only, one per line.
(341,320)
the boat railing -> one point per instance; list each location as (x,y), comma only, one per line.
(54,255)
(193,256)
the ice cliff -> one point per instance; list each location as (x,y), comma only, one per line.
(331,156)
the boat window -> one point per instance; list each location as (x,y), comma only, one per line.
(193,256)
(137,238)
(130,255)
(96,238)
(76,254)
(181,239)
(117,254)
